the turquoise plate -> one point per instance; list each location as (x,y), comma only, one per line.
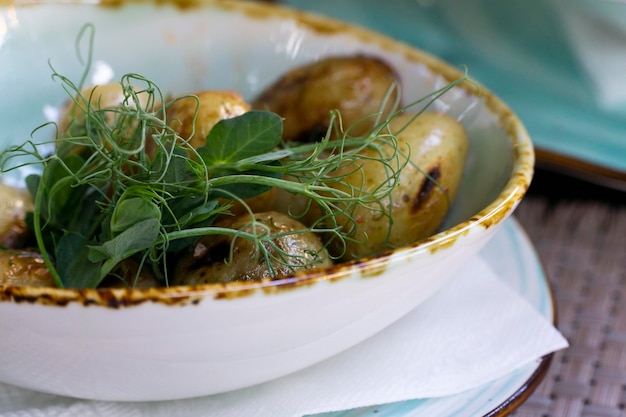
(520,51)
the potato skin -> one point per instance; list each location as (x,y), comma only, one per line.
(14,204)
(304,97)
(105,96)
(24,268)
(208,260)
(438,146)
(27,268)
(102,97)
(213,106)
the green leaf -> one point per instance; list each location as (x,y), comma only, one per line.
(73,264)
(203,216)
(130,211)
(61,192)
(87,214)
(190,213)
(273,156)
(60,195)
(195,212)
(140,236)
(174,171)
(200,217)
(32,184)
(253,133)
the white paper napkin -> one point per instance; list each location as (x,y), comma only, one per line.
(473,331)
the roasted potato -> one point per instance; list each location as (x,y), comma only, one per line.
(14,204)
(437,145)
(357,86)
(209,260)
(105,96)
(72,120)
(23,268)
(27,268)
(210,107)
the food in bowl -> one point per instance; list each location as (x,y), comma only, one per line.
(140,188)
(180,341)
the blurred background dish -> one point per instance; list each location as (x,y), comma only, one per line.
(559,64)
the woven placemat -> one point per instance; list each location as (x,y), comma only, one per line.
(583,248)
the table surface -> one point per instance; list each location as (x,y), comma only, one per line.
(579,231)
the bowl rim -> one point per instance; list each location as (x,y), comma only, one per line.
(495,212)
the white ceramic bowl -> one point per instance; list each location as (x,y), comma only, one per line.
(183,342)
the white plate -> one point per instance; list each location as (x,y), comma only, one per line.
(513,258)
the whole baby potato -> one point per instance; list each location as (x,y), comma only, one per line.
(208,107)
(14,204)
(222,259)
(357,86)
(109,97)
(437,145)
(24,268)
(98,97)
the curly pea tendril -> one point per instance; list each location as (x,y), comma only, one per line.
(123,184)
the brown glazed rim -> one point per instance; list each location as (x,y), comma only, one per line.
(493,213)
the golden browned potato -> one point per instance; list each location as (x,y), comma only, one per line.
(437,145)
(14,204)
(101,97)
(209,260)
(305,96)
(23,268)
(210,107)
